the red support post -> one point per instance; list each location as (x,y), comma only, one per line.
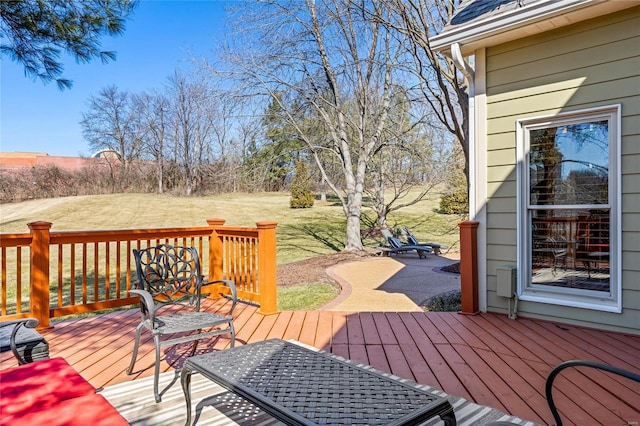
(39,285)
(215,250)
(469,266)
(267,267)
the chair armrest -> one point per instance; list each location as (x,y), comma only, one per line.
(27,322)
(147,301)
(232,288)
(24,322)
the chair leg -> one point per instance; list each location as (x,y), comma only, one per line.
(156,371)
(135,349)
(233,335)
(193,348)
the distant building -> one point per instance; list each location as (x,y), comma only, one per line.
(109,154)
(21,160)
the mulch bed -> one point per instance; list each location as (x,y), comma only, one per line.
(454,268)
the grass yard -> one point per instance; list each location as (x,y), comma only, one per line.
(301,233)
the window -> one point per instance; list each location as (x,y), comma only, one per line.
(569,182)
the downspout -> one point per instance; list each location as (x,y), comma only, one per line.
(476,208)
(469,74)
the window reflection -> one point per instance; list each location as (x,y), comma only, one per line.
(569,165)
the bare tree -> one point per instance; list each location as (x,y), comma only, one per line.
(191,127)
(154,109)
(438,83)
(110,123)
(403,174)
(322,62)
(408,165)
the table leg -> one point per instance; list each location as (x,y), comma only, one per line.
(185,381)
(449,417)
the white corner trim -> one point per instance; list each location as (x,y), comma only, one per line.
(478,160)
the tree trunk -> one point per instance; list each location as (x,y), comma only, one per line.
(354,240)
(353,211)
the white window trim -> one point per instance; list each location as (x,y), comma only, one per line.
(562,296)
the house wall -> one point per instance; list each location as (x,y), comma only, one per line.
(585,65)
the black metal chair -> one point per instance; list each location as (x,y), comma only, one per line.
(559,251)
(26,343)
(579,363)
(169,276)
(554,373)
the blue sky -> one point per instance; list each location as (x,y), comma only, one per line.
(35,117)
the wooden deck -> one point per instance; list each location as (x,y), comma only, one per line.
(486,358)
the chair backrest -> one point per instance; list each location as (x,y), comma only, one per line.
(394,242)
(558,246)
(170,273)
(412,240)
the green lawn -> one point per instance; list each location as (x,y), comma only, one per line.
(301,233)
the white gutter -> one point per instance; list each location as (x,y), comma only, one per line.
(475,34)
(463,66)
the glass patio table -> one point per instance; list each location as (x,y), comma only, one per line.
(301,386)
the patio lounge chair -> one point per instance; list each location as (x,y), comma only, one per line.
(411,239)
(396,246)
(170,276)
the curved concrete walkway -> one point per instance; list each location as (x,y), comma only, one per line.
(392,284)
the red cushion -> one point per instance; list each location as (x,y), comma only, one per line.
(86,410)
(40,385)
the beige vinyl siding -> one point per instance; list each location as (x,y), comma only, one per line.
(590,64)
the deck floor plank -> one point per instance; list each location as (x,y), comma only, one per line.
(487,358)
(444,376)
(516,336)
(280,324)
(324,333)
(377,358)
(339,329)
(501,379)
(527,383)
(391,332)
(370,329)
(354,330)
(264,329)
(398,364)
(398,327)
(420,370)
(357,353)
(294,328)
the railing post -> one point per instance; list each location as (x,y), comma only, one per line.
(215,251)
(39,285)
(267,267)
(469,266)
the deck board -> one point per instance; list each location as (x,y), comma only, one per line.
(487,358)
